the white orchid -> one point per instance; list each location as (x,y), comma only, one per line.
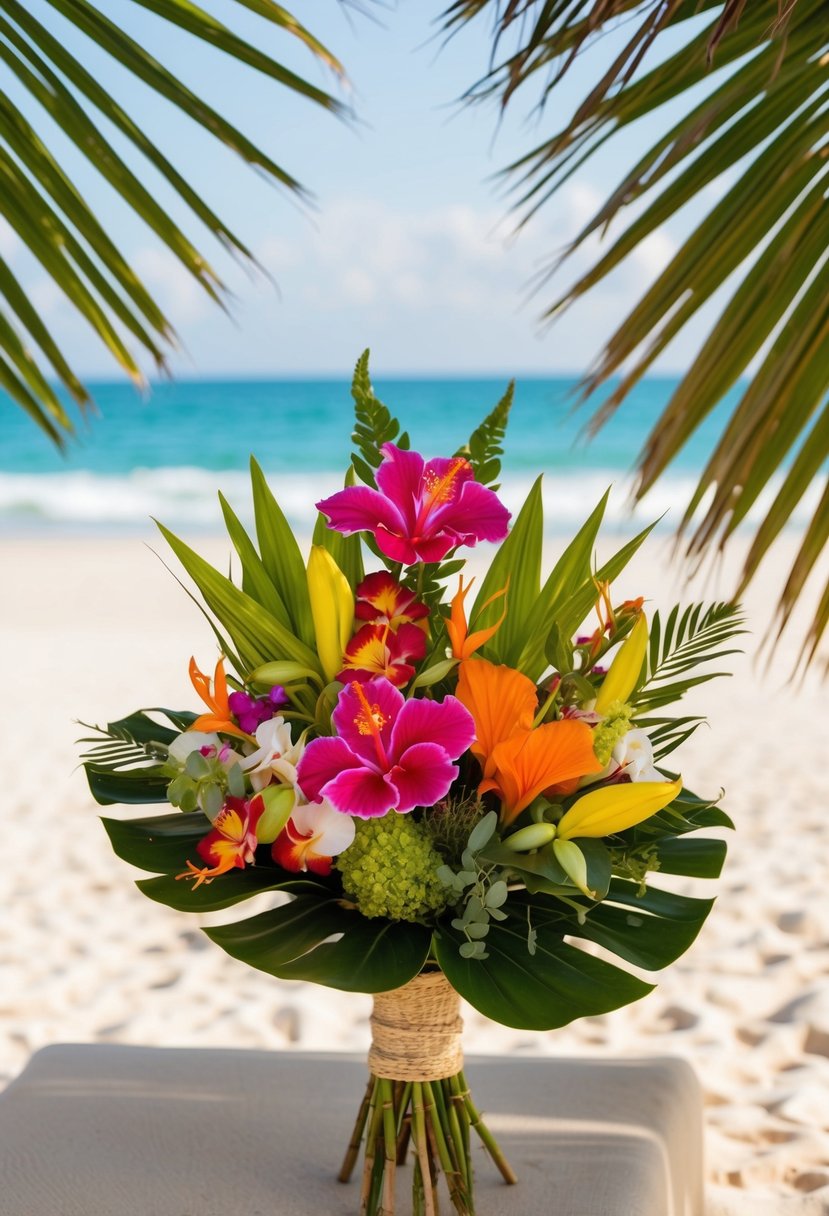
(634,755)
(277,754)
(209,745)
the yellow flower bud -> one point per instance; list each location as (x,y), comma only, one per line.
(620,680)
(617,807)
(332,609)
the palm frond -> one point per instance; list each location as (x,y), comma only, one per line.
(43,206)
(755,114)
(680,645)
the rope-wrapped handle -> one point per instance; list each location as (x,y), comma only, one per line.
(416,1031)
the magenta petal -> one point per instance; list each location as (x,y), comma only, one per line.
(360,792)
(322,760)
(423,776)
(435,548)
(409,640)
(447,723)
(347,717)
(395,546)
(360,509)
(477,512)
(400,478)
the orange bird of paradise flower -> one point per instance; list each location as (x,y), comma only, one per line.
(519,761)
(220,717)
(464,643)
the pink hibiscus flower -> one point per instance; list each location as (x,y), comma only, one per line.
(389,754)
(421,509)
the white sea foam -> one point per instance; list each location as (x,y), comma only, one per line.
(187,497)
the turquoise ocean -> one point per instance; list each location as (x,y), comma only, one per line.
(166,455)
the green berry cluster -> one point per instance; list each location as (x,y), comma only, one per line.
(390,869)
(610,730)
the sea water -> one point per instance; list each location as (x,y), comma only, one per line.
(167,454)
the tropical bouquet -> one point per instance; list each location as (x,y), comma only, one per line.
(451,790)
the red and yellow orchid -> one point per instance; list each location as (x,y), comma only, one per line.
(313,836)
(381,600)
(379,650)
(232,842)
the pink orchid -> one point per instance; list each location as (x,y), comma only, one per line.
(389,754)
(420,509)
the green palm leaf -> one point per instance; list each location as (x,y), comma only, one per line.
(42,205)
(756,111)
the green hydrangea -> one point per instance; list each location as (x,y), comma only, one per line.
(610,730)
(391,869)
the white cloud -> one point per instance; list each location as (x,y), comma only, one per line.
(175,289)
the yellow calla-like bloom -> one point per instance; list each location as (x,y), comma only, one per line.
(616,807)
(620,680)
(332,609)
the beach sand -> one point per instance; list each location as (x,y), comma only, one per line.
(94,628)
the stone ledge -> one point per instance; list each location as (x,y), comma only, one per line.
(139,1131)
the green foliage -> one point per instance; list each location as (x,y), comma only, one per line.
(477,889)
(688,639)
(517,564)
(257,636)
(740,143)
(292,942)
(49,212)
(373,424)
(537,990)
(126,760)
(485,446)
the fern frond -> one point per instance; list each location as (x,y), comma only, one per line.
(373,424)
(688,639)
(485,447)
(137,740)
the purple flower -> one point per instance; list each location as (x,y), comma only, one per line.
(251,712)
(420,510)
(389,754)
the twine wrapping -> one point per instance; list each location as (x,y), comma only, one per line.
(416,1031)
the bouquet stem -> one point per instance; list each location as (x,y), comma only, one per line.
(428,1107)
(434,1118)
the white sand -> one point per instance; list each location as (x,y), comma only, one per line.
(95,628)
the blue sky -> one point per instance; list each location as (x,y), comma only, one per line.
(409,249)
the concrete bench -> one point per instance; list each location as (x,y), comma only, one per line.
(142,1131)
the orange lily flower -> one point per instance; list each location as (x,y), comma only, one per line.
(531,761)
(501,700)
(463,642)
(219,718)
(519,762)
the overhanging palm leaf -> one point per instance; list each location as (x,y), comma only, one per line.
(50,216)
(763,121)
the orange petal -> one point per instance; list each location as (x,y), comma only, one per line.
(528,763)
(501,701)
(456,625)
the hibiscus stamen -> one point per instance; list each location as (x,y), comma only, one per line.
(370,720)
(439,489)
